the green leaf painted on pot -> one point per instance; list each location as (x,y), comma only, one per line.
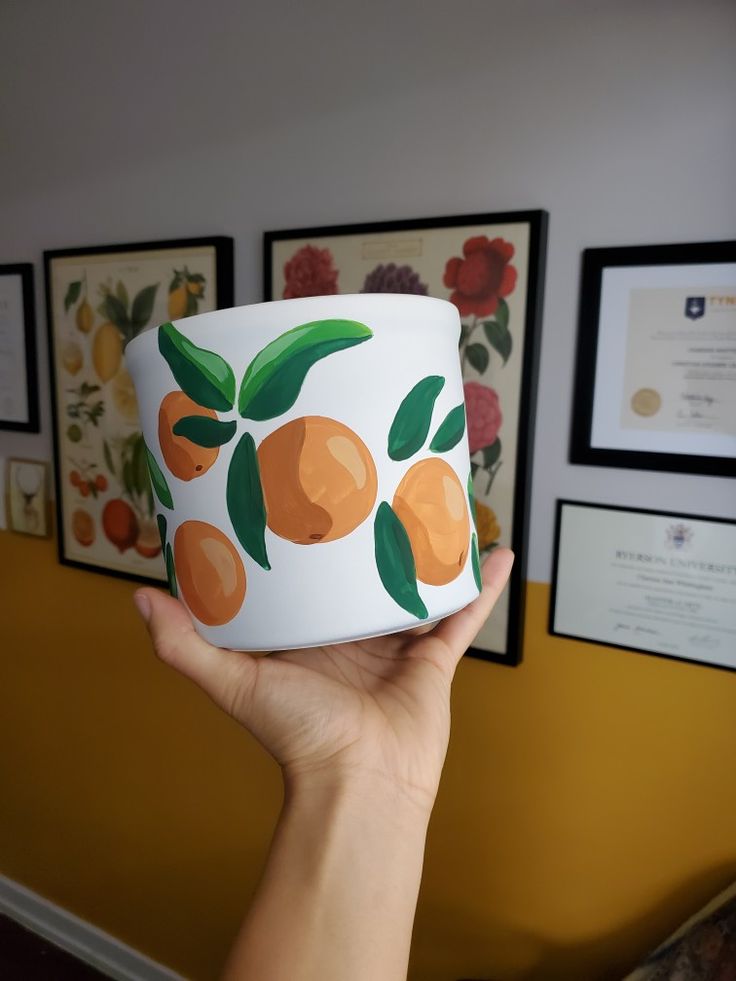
(121,293)
(161,522)
(411,424)
(72,294)
(395,561)
(142,308)
(275,376)
(471,498)
(451,431)
(475,555)
(502,313)
(140,467)
(205,431)
(171,571)
(202,375)
(492,454)
(478,356)
(158,481)
(245,502)
(499,338)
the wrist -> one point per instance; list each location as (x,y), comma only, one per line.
(361,790)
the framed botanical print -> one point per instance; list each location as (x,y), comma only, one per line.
(98,299)
(491,266)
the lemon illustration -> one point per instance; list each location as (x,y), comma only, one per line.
(123,395)
(107,351)
(178,302)
(72,357)
(85,317)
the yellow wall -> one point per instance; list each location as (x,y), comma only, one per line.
(587,804)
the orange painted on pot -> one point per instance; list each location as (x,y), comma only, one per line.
(319,480)
(209,572)
(430,502)
(184,458)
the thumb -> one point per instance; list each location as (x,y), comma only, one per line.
(226,676)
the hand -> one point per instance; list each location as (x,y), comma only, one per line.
(376,709)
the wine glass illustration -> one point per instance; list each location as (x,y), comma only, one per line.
(28,479)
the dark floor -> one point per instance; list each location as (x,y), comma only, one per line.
(24,956)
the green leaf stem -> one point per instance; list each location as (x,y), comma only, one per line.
(245,502)
(412,421)
(205,431)
(158,481)
(275,376)
(202,375)
(395,561)
(451,430)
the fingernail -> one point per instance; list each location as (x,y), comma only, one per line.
(143,604)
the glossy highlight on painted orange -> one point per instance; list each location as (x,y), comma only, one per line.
(185,459)
(319,480)
(431,503)
(209,572)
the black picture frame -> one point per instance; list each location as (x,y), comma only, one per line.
(224,290)
(594,263)
(537,223)
(32,425)
(560,504)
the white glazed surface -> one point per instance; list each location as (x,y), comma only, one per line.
(327,592)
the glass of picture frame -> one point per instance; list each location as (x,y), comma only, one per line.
(491,266)
(98,299)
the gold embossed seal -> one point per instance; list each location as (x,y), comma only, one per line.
(646,402)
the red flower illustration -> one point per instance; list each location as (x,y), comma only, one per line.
(482,276)
(310,272)
(484,415)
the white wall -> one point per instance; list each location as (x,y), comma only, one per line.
(141,120)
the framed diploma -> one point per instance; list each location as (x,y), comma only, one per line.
(656,367)
(18,379)
(648,581)
(491,266)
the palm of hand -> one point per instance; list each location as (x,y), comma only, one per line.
(380,706)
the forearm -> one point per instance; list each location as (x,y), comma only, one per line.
(339,892)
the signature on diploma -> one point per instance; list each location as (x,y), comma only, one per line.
(695,403)
(635,630)
(705,641)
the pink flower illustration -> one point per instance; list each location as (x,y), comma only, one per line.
(310,272)
(484,415)
(482,276)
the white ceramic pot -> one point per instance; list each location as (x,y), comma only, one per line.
(310,463)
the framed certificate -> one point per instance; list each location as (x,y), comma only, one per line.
(491,266)
(18,378)
(656,367)
(648,581)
